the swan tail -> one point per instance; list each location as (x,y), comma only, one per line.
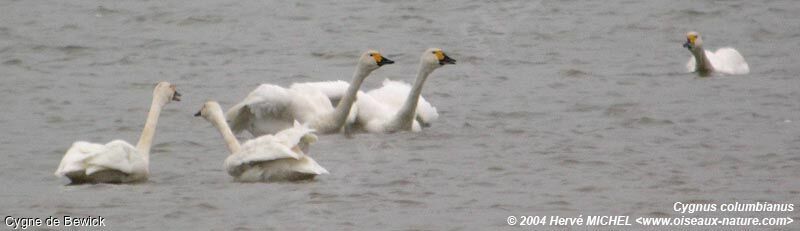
(88,158)
(77,155)
(730,61)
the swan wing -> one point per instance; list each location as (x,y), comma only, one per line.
(263,148)
(395,93)
(119,155)
(333,90)
(76,157)
(89,157)
(372,114)
(292,136)
(309,166)
(309,103)
(730,61)
(265,101)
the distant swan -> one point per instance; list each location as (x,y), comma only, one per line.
(117,161)
(725,60)
(269,108)
(379,110)
(267,158)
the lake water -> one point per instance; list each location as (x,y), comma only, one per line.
(555,108)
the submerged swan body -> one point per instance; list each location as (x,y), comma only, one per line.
(270,108)
(725,60)
(117,161)
(395,106)
(268,158)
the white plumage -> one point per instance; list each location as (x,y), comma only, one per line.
(117,161)
(270,108)
(275,158)
(725,60)
(394,93)
(398,106)
(114,162)
(279,157)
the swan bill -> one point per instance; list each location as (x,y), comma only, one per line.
(443,58)
(382,60)
(447,60)
(198,114)
(176,96)
(691,40)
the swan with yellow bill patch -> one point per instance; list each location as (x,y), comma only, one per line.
(270,108)
(725,60)
(380,110)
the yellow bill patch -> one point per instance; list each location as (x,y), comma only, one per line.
(691,38)
(439,55)
(378,58)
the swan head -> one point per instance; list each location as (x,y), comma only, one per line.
(693,41)
(372,60)
(209,108)
(435,58)
(166,92)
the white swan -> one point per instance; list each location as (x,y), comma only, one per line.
(117,161)
(725,60)
(267,158)
(378,111)
(269,108)
(392,93)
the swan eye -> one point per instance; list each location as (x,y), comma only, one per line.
(433,52)
(377,57)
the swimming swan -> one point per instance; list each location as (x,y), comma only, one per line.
(392,93)
(269,108)
(378,110)
(117,161)
(267,158)
(725,60)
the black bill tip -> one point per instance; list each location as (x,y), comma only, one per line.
(385,61)
(447,60)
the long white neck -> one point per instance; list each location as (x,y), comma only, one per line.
(701,62)
(218,120)
(146,139)
(405,116)
(337,119)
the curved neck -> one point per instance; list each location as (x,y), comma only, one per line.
(146,139)
(218,120)
(339,115)
(702,64)
(405,116)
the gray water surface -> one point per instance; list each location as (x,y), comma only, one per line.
(554,108)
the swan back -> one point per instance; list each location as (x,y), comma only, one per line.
(84,159)
(266,101)
(394,94)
